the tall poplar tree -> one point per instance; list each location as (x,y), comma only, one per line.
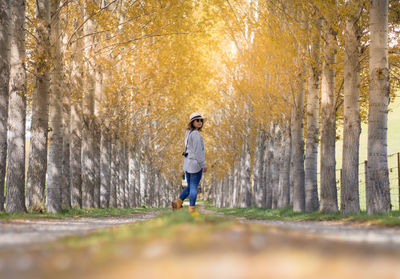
(349,193)
(15,185)
(312,113)
(378,187)
(54,181)
(328,121)
(37,167)
(5,12)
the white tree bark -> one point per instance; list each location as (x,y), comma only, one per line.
(121,182)
(114,170)
(125,151)
(105,167)
(269,172)
(328,123)
(66,133)
(277,162)
(97,133)
(264,183)
(37,166)
(245,182)
(284,171)
(137,176)
(143,179)
(88,143)
(235,188)
(132,177)
(230,188)
(378,186)
(298,150)
(258,170)
(312,131)
(349,194)
(15,185)
(5,15)
(54,177)
(76,122)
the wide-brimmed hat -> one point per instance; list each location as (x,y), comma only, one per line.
(196,115)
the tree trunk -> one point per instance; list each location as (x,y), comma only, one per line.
(277,149)
(284,170)
(76,122)
(264,184)
(291,171)
(75,155)
(105,167)
(66,120)
(245,182)
(143,181)
(235,191)
(208,194)
(88,143)
(258,172)
(269,172)
(137,176)
(97,135)
(156,201)
(15,187)
(131,175)
(328,124)
(163,192)
(298,150)
(349,194)
(114,170)
(126,174)
(54,181)
(121,179)
(36,177)
(378,187)
(5,12)
(312,132)
(231,187)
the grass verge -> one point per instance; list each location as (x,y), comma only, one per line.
(79,212)
(384,219)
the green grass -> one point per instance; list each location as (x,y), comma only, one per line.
(78,212)
(386,219)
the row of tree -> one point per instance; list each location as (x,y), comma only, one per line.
(104,85)
(324,63)
(107,87)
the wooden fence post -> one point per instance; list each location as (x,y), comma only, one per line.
(366,184)
(398,174)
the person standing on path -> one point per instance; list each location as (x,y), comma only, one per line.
(195,162)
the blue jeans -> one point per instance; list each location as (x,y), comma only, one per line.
(193,180)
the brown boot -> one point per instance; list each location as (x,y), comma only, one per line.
(177,204)
(192,209)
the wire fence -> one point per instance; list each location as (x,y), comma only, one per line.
(394,179)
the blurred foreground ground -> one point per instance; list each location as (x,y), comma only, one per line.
(179,245)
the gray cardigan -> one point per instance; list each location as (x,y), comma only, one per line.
(195,160)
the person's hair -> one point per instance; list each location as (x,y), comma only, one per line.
(191,126)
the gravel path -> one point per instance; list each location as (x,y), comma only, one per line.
(21,232)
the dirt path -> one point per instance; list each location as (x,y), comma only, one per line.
(23,232)
(349,232)
(240,249)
